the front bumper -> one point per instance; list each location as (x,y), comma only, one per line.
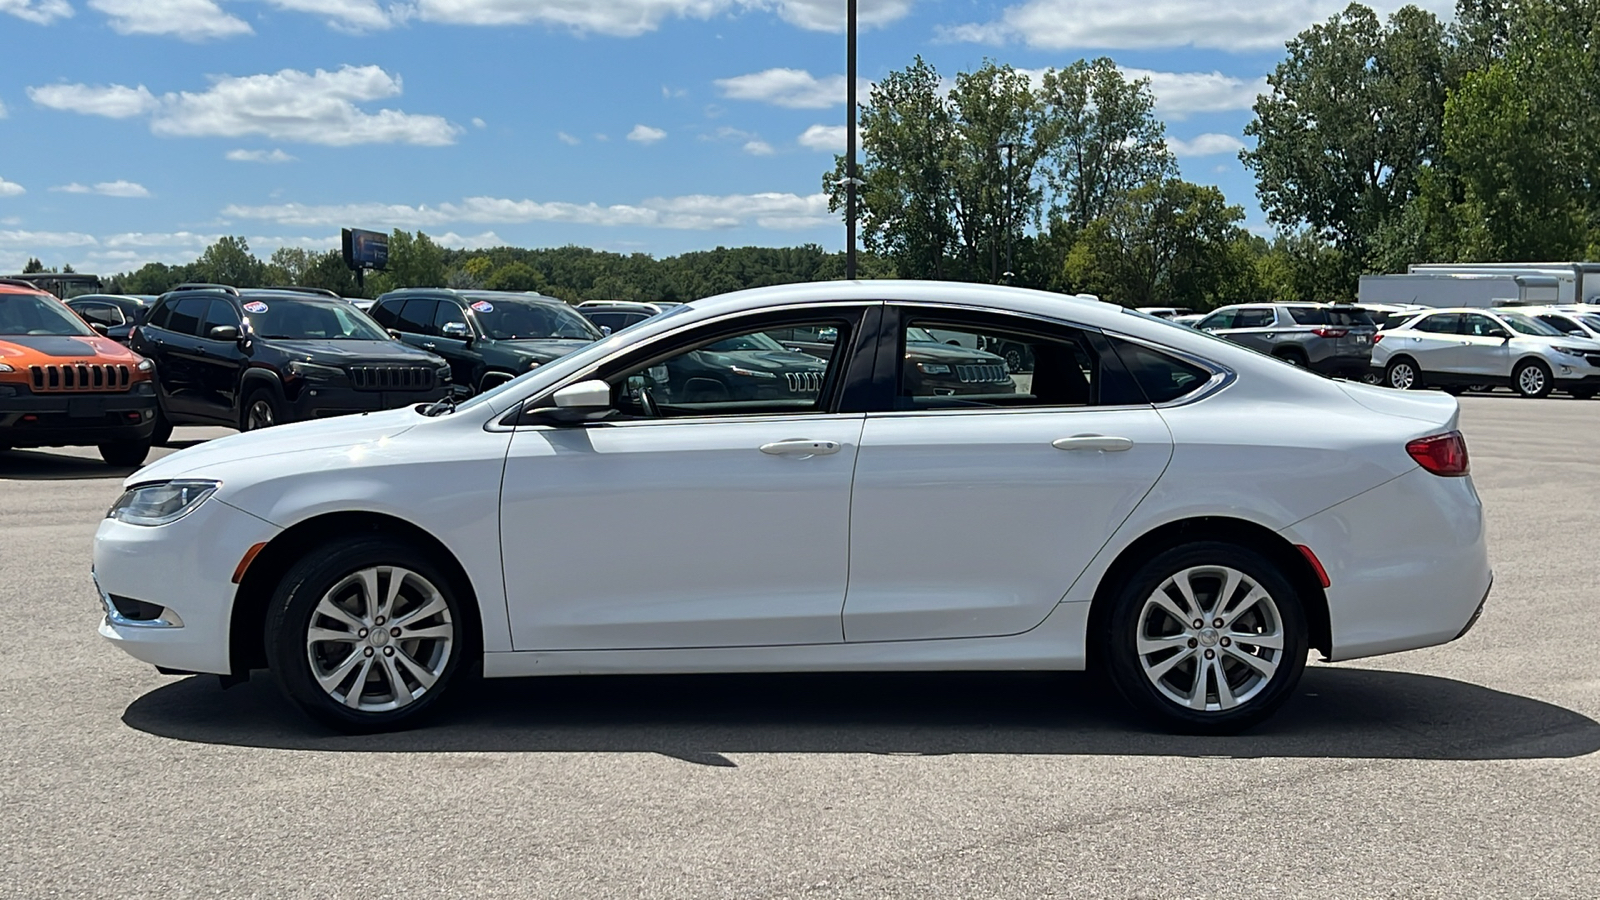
(320,401)
(185,570)
(51,420)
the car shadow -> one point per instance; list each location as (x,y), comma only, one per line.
(1336,713)
(39,465)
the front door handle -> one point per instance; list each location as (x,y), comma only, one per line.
(1092,442)
(800,447)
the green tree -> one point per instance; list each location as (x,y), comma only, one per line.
(515,276)
(33,267)
(1354,114)
(288,265)
(414,261)
(228,261)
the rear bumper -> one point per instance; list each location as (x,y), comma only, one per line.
(321,402)
(1407,562)
(48,420)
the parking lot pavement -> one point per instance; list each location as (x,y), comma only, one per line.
(1468,770)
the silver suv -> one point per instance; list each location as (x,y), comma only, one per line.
(1336,340)
(1458,348)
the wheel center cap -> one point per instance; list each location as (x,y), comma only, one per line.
(377,637)
(1207,637)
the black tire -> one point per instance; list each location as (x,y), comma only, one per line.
(163,430)
(1402,374)
(262,409)
(1014,360)
(294,610)
(1294,358)
(1116,643)
(1454,390)
(125,454)
(1532,379)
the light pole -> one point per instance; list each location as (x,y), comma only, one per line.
(1009,148)
(850,145)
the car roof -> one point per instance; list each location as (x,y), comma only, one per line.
(12,286)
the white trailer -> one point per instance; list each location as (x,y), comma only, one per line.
(1461,289)
(1542,282)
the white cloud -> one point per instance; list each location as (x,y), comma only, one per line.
(824,138)
(3,112)
(758,148)
(695,212)
(39,12)
(479,123)
(105,189)
(644,134)
(568,139)
(1234,25)
(468,242)
(191,20)
(1205,145)
(11,189)
(258,156)
(830,15)
(42,239)
(793,88)
(630,18)
(290,105)
(349,15)
(114,101)
(1179,94)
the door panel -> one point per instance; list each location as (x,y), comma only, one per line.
(218,364)
(178,357)
(968,524)
(653,534)
(463,362)
(1479,349)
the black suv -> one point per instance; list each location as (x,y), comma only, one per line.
(489,337)
(253,358)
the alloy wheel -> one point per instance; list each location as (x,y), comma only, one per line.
(260,415)
(1402,376)
(379,639)
(1210,638)
(1531,380)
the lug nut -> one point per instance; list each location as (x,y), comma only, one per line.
(1193,643)
(379,621)
(1199,623)
(1217,623)
(367,652)
(394,632)
(1211,654)
(388,651)
(1227,643)
(362,633)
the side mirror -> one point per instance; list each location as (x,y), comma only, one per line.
(99,328)
(223,333)
(393,333)
(605,330)
(585,401)
(456,330)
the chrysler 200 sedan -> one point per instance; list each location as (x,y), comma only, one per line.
(1188,516)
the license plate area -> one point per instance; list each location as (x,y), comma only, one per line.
(83,408)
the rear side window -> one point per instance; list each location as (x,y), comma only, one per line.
(994,363)
(1324,315)
(1255,318)
(1443,323)
(186,315)
(1162,377)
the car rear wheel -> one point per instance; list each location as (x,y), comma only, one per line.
(125,454)
(261,410)
(1205,638)
(163,429)
(1293,358)
(368,634)
(1533,379)
(1402,375)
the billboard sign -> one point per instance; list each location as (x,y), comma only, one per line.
(365,249)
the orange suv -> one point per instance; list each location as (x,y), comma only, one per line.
(63,384)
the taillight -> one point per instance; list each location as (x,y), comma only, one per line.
(1330,332)
(1377,337)
(1442,454)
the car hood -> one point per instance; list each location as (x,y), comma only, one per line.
(1578,343)
(356,352)
(545,350)
(931,352)
(48,349)
(352,432)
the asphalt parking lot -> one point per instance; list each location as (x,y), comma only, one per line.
(1469,770)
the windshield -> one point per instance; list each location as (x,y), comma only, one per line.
(305,320)
(1591,320)
(1528,325)
(514,319)
(757,341)
(35,314)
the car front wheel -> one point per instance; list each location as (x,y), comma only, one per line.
(367,634)
(1206,638)
(125,454)
(1533,379)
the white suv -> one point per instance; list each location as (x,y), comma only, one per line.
(1455,348)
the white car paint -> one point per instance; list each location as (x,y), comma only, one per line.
(677,545)
(1470,358)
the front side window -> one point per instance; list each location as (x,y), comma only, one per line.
(220,312)
(954,365)
(1222,318)
(745,373)
(387,312)
(1524,324)
(1476,325)
(447,314)
(36,314)
(106,314)
(186,315)
(1255,318)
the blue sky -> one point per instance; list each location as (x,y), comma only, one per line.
(140,130)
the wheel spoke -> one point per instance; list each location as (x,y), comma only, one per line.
(1249,602)
(334,611)
(1149,645)
(397,685)
(432,632)
(1181,582)
(397,580)
(316,635)
(1230,586)
(417,670)
(1197,695)
(1265,667)
(369,592)
(352,697)
(1224,693)
(330,682)
(1269,641)
(433,607)
(1157,671)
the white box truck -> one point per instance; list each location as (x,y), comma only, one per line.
(1486,284)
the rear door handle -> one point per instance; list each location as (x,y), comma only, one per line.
(428,345)
(800,447)
(1092,442)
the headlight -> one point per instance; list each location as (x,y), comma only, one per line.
(6,368)
(1572,351)
(750,373)
(161,503)
(313,372)
(934,368)
(145,365)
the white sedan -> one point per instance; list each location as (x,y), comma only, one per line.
(693,495)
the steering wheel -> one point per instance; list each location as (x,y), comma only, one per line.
(647,403)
